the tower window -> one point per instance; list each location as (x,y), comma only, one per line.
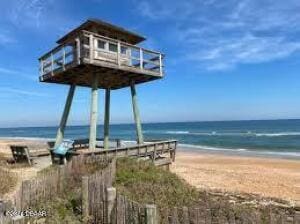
(101,44)
(113,47)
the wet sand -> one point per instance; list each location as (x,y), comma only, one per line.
(268,177)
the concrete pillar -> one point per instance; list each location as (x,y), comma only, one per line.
(94,113)
(136,114)
(64,118)
(106,119)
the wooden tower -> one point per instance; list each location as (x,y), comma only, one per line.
(100,55)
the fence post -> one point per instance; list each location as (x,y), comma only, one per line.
(61,179)
(151,214)
(111,195)
(85,199)
(2,211)
(297,217)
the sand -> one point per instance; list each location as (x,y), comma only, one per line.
(23,172)
(268,177)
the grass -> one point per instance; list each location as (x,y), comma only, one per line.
(66,207)
(142,182)
(146,183)
(8,181)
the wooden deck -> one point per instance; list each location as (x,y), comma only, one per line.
(118,64)
(153,150)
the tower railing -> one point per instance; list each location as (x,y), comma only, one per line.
(95,49)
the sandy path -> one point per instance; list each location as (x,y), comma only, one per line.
(23,172)
(268,177)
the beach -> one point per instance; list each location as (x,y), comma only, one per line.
(268,177)
(221,171)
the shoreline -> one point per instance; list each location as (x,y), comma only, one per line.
(189,148)
(242,153)
(277,178)
(228,171)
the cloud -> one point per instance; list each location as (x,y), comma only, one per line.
(18,73)
(28,12)
(21,92)
(220,35)
(6,38)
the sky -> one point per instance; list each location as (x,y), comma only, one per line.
(225,60)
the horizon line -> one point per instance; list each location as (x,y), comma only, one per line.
(156,122)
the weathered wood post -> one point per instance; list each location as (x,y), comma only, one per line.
(136,114)
(111,195)
(94,113)
(2,211)
(61,179)
(63,121)
(85,199)
(106,119)
(151,214)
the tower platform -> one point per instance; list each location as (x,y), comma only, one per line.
(84,53)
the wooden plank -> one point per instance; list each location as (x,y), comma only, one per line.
(85,198)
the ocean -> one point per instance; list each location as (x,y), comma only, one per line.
(265,137)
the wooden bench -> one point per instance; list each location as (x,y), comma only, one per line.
(80,144)
(21,153)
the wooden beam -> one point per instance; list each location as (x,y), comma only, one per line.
(63,121)
(94,113)
(140,139)
(106,119)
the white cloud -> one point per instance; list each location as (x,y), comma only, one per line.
(28,12)
(6,38)
(222,34)
(17,73)
(10,90)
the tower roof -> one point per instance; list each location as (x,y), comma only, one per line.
(105,29)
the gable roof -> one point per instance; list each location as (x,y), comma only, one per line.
(131,37)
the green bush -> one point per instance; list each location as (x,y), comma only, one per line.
(145,183)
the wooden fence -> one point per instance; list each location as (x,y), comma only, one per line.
(51,183)
(95,194)
(196,215)
(102,204)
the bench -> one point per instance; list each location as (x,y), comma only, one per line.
(80,144)
(21,153)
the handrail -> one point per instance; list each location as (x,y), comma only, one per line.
(122,42)
(133,56)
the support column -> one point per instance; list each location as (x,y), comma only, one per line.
(136,114)
(94,113)
(64,118)
(106,119)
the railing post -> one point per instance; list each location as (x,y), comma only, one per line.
(151,214)
(42,67)
(91,40)
(78,50)
(141,59)
(160,65)
(64,57)
(119,53)
(52,64)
